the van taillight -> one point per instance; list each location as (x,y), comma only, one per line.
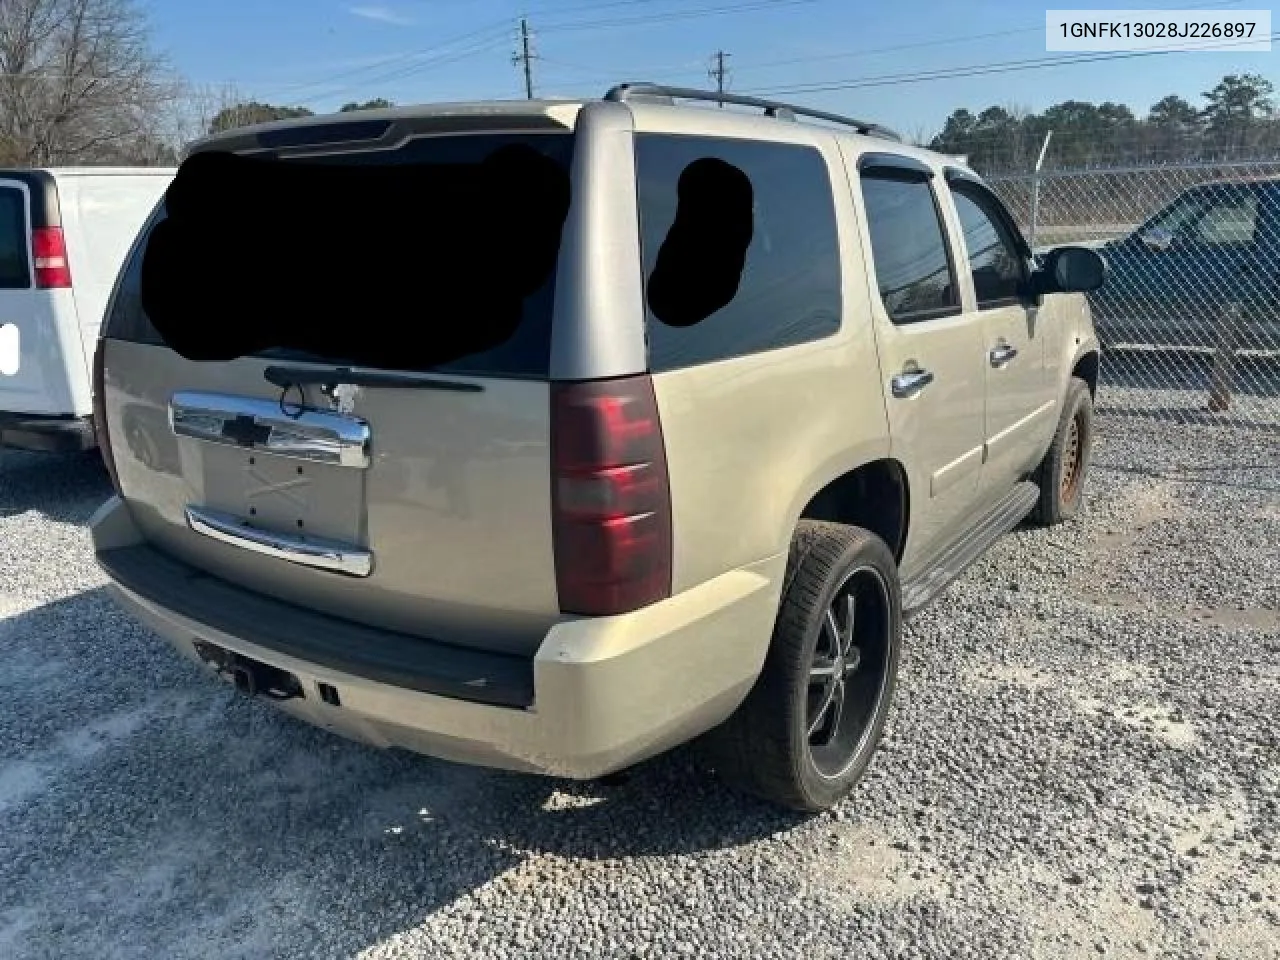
(50,253)
(610,497)
(100,412)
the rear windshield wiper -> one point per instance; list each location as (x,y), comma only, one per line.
(286,377)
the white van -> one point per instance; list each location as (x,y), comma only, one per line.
(64,233)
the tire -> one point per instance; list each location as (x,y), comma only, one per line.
(1063,473)
(767,748)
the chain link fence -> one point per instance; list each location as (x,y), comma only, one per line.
(1189,318)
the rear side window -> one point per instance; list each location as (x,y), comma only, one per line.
(740,248)
(908,245)
(15,272)
(362,281)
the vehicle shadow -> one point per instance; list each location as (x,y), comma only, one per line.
(168,815)
(65,487)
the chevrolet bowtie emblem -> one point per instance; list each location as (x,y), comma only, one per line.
(246,431)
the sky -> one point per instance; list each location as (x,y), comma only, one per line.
(322,53)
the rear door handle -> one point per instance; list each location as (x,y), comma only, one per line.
(1001,355)
(909,383)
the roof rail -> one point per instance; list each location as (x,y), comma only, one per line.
(657,93)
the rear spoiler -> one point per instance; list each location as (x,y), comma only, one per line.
(373,129)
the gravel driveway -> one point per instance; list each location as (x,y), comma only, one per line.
(1084,761)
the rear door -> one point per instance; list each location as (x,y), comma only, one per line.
(931,351)
(40,322)
(417,500)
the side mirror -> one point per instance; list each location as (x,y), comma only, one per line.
(1069,270)
(1158,239)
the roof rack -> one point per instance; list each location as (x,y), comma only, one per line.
(657,93)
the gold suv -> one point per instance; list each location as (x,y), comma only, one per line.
(550,435)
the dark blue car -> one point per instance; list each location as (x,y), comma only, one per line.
(1175,280)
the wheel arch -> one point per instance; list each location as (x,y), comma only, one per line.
(874,495)
(1086,367)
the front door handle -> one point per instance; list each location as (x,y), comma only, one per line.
(909,383)
(1002,354)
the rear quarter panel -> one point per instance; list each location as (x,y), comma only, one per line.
(751,439)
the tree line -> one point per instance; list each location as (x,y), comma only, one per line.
(81,83)
(1237,121)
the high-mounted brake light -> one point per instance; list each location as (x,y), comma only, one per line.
(49,250)
(611,497)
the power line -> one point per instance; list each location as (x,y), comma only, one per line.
(412,69)
(672,16)
(745,6)
(1009,66)
(763,4)
(427,60)
(426,53)
(944,41)
(686,69)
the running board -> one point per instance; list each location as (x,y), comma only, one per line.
(930,581)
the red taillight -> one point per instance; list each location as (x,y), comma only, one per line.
(611,499)
(50,253)
(100,413)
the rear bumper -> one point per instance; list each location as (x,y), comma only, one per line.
(48,434)
(599,694)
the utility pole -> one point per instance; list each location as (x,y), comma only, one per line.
(718,74)
(525,57)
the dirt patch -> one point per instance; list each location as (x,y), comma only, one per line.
(1159,721)
(1141,508)
(863,865)
(1026,676)
(1243,941)
(1132,933)
(1234,618)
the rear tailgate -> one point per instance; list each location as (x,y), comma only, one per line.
(44,371)
(417,501)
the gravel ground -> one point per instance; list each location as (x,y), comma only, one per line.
(1084,761)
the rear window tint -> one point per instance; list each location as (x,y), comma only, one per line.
(15,272)
(740,248)
(526,353)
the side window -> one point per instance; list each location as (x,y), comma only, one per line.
(1229,223)
(15,272)
(739,244)
(994,261)
(913,266)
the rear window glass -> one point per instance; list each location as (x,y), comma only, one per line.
(740,247)
(14,270)
(525,353)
